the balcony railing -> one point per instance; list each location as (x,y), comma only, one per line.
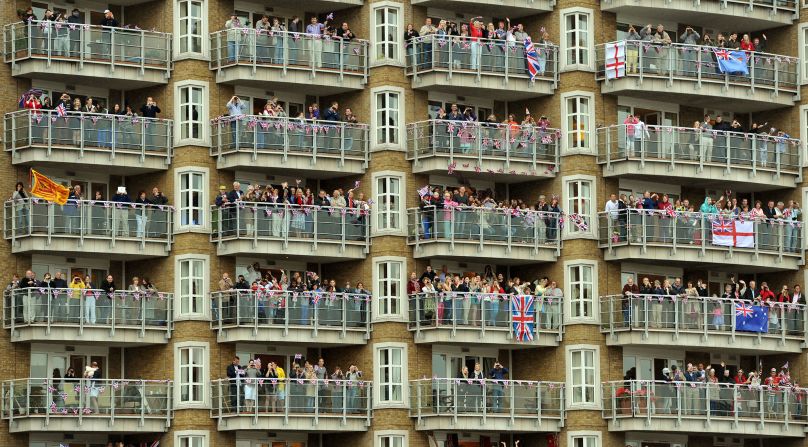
(523,228)
(694,231)
(78,402)
(689,146)
(486,398)
(481,57)
(284,222)
(319,401)
(532,149)
(88,44)
(88,220)
(481,313)
(708,317)
(289,51)
(88,133)
(315,312)
(87,309)
(704,402)
(312,139)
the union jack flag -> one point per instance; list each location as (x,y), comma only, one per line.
(532,58)
(743,310)
(523,315)
(60,110)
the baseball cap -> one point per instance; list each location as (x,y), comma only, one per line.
(107,11)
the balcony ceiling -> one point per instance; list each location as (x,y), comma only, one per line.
(318,6)
(709,14)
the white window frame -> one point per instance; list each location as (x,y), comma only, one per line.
(203,114)
(403,307)
(205,314)
(801,43)
(205,35)
(398,35)
(374,125)
(803,135)
(590,41)
(378,435)
(568,392)
(568,303)
(572,435)
(402,207)
(205,195)
(204,403)
(593,216)
(204,434)
(404,402)
(590,145)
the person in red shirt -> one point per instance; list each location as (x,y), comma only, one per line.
(413,286)
(476,33)
(765,293)
(746,43)
(773,383)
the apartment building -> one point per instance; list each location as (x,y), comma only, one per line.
(163,354)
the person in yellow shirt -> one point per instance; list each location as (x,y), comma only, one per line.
(281,385)
(77,287)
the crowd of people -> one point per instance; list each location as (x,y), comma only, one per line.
(307,388)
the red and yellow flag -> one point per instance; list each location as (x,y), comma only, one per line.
(47,189)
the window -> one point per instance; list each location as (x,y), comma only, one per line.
(192,198)
(191,438)
(192,374)
(192,286)
(577,41)
(190,112)
(803,51)
(581,290)
(387,118)
(583,439)
(578,204)
(582,376)
(388,203)
(391,438)
(388,287)
(191,441)
(577,123)
(390,362)
(386,33)
(191,32)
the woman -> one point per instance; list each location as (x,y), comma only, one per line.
(250,386)
(271,387)
(792,216)
(77,288)
(74,116)
(89,301)
(298,217)
(21,209)
(311,387)
(692,307)
(409,34)
(58,388)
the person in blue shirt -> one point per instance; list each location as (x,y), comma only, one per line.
(498,374)
(235,109)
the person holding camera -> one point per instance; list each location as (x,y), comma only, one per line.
(690,37)
(498,374)
(632,50)
(353,377)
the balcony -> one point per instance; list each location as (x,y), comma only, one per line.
(313,233)
(487,405)
(115,58)
(320,149)
(309,317)
(483,68)
(288,61)
(689,74)
(510,153)
(481,318)
(490,234)
(100,405)
(88,316)
(122,145)
(113,230)
(696,158)
(712,408)
(322,406)
(687,239)
(492,8)
(655,320)
(750,16)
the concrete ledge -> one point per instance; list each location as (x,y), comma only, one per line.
(326,336)
(465,83)
(472,336)
(124,77)
(690,255)
(699,424)
(305,423)
(490,252)
(123,249)
(743,341)
(321,82)
(325,166)
(519,169)
(326,250)
(123,336)
(121,424)
(495,8)
(124,163)
(712,11)
(498,423)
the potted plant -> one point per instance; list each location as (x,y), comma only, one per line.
(623,397)
(641,396)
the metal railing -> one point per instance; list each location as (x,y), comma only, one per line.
(264,397)
(317,311)
(522,228)
(88,219)
(698,64)
(87,44)
(87,308)
(88,132)
(693,231)
(286,222)
(481,57)
(487,398)
(289,51)
(702,402)
(287,136)
(697,315)
(87,399)
(477,143)
(480,312)
(694,146)
(778,6)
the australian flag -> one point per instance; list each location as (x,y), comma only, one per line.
(750,318)
(732,61)
(532,59)
(523,314)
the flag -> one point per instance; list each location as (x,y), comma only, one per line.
(731,61)
(733,233)
(532,59)
(615,60)
(47,189)
(750,318)
(523,315)
(60,110)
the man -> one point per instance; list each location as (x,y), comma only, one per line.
(707,139)
(106,33)
(322,374)
(349,58)
(234,373)
(106,299)
(461,197)
(158,224)
(315,35)
(690,37)
(235,110)
(612,209)
(72,211)
(630,292)
(553,295)
(59,298)
(721,149)
(30,300)
(231,210)
(225,298)
(150,111)
(541,208)
(662,41)
(425,50)
(428,273)
(768,236)
(74,23)
(498,374)
(332,113)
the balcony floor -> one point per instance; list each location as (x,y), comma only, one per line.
(294,422)
(124,77)
(465,83)
(723,426)
(691,257)
(326,337)
(743,343)
(121,424)
(517,171)
(489,252)
(498,423)
(323,82)
(296,164)
(123,250)
(324,251)
(126,336)
(124,163)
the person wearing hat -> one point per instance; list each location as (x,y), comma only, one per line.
(122,201)
(75,32)
(106,34)
(773,384)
